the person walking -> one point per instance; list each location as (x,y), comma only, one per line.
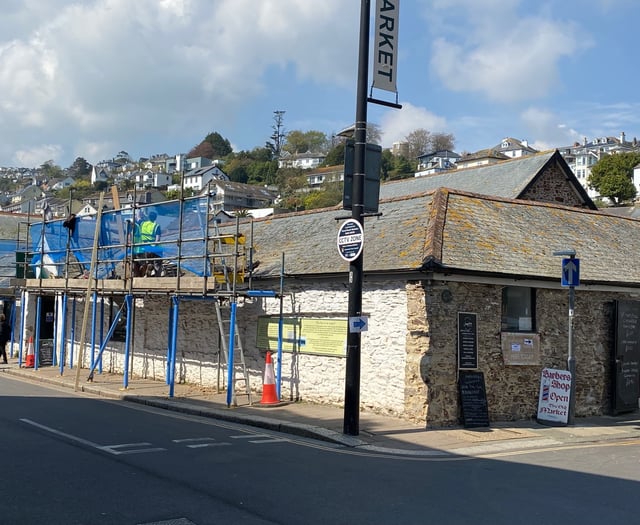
(5,337)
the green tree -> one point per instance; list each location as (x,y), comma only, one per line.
(80,168)
(612,177)
(386,164)
(303,141)
(324,198)
(50,170)
(335,156)
(213,146)
(221,146)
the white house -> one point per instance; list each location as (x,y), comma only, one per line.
(198,178)
(305,161)
(151,179)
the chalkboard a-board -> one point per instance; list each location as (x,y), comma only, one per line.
(626,357)
(473,399)
(45,353)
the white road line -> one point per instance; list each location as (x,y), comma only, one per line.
(268,438)
(201,445)
(188,440)
(136,451)
(108,448)
(125,445)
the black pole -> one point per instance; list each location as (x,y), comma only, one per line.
(352,380)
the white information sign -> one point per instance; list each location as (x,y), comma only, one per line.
(553,400)
(350,240)
(385,54)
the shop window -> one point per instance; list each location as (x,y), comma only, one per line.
(518,309)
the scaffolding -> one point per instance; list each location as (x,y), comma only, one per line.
(97,259)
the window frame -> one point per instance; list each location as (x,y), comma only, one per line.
(516,305)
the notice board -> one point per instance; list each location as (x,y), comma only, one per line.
(467,340)
(304,335)
(520,349)
(473,399)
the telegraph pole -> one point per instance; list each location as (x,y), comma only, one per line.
(352,383)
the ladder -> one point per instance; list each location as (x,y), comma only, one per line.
(224,327)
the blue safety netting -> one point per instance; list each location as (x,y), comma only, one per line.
(116,240)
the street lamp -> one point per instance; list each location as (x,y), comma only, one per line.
(570,278)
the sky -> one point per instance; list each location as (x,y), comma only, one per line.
(95,77)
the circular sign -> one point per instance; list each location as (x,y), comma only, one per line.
(350,240)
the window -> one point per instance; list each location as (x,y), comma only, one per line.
(518,309)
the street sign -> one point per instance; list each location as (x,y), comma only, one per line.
(350,240)
(570,272)
(358,324)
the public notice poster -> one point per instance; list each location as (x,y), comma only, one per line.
(553,400)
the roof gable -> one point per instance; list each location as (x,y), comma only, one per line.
(510,179)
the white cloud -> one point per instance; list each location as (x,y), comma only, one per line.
(397,124)
(495,51)
(113,71)
(545,131)
(37,156)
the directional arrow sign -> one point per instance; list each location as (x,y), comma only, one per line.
(358,324)
(570,272)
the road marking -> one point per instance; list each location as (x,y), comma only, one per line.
(198,442)
(191,440)
(266,438)
(111,449)
(202,445)
(114,449)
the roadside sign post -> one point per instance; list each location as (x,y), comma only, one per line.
(570,278)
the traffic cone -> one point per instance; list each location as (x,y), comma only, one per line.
(269,395)
(30,359)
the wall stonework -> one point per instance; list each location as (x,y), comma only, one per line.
(552,186)
(408,355)
(512,391)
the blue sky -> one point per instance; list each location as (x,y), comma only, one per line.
(92,78)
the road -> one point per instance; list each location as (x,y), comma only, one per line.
(71,459)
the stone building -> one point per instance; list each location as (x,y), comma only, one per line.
(428,257)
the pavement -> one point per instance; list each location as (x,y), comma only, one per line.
(377,433)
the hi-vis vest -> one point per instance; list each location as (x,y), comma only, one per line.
(148,233)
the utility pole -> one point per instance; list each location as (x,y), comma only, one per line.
(352,381)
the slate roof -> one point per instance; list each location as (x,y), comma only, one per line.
(452,231)
(507,179)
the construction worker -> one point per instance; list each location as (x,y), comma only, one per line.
(150,233)
(139,265)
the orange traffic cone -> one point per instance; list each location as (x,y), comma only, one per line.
(269,395)
(30,359)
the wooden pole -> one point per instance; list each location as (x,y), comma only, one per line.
(91,284)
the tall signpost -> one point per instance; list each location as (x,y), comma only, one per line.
(570,278)
(351,424)
(384,78)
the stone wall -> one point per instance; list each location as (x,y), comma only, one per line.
(306,377)
(512,391)
(408,355)
(553,186)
